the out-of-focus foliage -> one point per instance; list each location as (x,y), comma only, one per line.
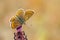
(43,25)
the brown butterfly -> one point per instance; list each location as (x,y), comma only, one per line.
(20,18)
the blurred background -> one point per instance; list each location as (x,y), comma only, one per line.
(43,25)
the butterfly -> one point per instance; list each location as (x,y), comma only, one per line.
(20,18)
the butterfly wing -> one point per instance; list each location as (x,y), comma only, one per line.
(15,20)
(28,14)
